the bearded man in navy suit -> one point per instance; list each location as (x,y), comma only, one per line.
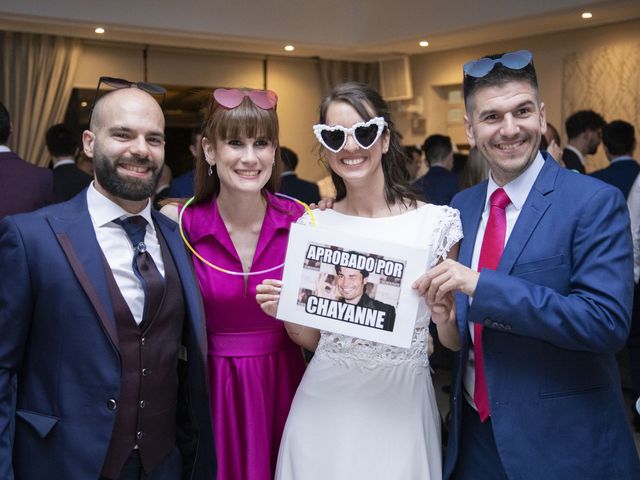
(536,391)
(111,385)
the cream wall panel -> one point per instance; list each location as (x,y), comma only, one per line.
(98,60)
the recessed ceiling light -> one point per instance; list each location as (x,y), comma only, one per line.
(99,30)
(424,43)
(83,104)
(289,48)
(586,15)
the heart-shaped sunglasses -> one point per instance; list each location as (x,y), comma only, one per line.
(232,97)
(365,134)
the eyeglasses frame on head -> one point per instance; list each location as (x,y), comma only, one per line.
(481,67)
(119,83)
(320,127)
(257,97)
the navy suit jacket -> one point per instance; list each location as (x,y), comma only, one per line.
(183,186)
(572,161)
(24,187)
(59,337)
(620,174)
(68,181)
(555,312)
(295,187)
(438,186)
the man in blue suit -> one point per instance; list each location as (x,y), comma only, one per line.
(538,396)
(102,323)
(440,184)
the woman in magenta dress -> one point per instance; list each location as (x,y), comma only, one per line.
(237,229)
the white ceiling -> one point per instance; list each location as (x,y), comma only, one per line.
(343,29)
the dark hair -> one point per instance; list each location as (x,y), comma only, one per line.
(619,137)
(436,148)
(582,121)
(498,76)
(365,273)
(475,169)
(554,133)
(195,133)
(368,103)
(221,123)
(409,150)
(5,124)
(289,158)
(61,141)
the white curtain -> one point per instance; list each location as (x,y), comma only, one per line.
(36,75)
(606,80)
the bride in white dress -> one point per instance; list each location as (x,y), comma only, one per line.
(366,410)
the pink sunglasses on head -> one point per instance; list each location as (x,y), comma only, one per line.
(231,98)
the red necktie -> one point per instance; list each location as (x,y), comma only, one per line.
(492,246)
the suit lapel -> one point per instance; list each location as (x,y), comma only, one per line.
(195,309)
(77,238)
(532,211)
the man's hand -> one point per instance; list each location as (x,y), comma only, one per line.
(445,278)
(268,295)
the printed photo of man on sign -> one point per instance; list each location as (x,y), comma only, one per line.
(350,286)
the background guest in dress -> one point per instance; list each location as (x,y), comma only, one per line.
(239,230)
(68,179)
(293,186)
(440,184)
(544,300)
(475,170)
(584,133)
(23,186)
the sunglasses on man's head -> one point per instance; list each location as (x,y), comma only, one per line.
(365,134)
(230,98)
(513,61)
(119,83)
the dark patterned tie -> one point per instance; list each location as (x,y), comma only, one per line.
(143,266)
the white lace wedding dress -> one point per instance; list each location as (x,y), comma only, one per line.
(366,410)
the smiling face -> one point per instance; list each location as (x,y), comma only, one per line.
(243,164)
(126,143)
(505,122)
(355,165)
(351,284)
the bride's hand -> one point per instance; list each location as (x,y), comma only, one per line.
(268,295)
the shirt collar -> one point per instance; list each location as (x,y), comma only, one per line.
(104,210)
(64,161)
(4,149)
(622,158)
(577,152)
(519,188)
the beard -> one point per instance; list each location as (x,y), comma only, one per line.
(106,171)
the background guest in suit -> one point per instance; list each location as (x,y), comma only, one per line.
(68,179)
(619,140)
(544,299)
(164,186)
(439,185)
(584,131)
(23,186)
(293,186)
(183,186)
(102,322)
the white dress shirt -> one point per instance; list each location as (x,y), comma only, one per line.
(518,191)
(633,202)
(118,249)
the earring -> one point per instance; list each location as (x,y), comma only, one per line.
(210,171)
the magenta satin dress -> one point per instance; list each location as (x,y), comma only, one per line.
(254,368)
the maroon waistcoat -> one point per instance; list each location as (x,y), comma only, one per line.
(146,409)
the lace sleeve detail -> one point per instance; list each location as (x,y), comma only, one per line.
(305,219)
(450,232)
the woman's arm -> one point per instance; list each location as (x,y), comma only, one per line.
(267,296)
